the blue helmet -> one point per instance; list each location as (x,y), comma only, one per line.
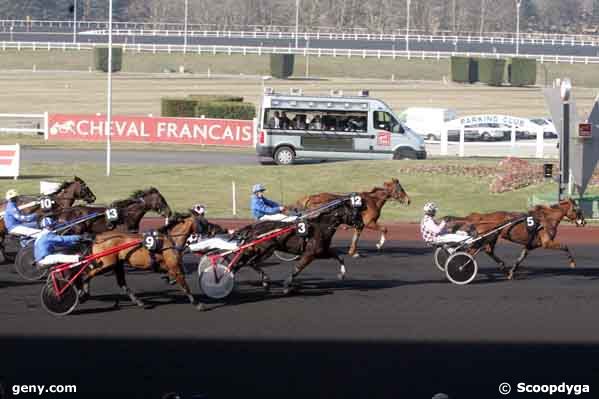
(47,223)
(258,188)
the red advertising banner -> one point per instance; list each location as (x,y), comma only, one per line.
(144,129)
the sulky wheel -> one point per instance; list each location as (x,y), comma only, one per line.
(26,267)
(285,256)
(59,303)
(441,256)
(217,281)
(461,268)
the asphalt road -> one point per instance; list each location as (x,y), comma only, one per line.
(395,328)
(564,49)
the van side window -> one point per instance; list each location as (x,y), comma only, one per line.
(386,121)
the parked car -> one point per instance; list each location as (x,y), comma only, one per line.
(486,132)
(549,131)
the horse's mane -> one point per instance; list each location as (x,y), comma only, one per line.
(173,221)
(134,197)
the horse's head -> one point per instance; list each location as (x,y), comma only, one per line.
(573,212)
(396,191)
(154,201)
(76,189)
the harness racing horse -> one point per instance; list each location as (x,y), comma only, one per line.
(316,245)
(63,198)
(130,212)
(374,201)
(535,229)
(165,257)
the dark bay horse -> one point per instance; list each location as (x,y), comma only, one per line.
(317,245)
(63,198)
(168,258)
(535,229)
(130,212)
(374,201)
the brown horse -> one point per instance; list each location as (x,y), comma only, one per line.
(130,212)
(167,258)
(535,229)
(374,200)
(64,197)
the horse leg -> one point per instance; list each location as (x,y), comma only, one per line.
(383,230)
(353,249)
(264,278)
(119,272)
(303,262)
(177,274)
(548,243)
(490,251)
(332,253)
(520,259)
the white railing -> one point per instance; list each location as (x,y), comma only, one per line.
(318,52)
(357,36)
(41,120)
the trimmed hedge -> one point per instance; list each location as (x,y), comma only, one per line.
(101,59)
(464,69)
(182,107)
(225,110)
(491,71)
(281,65)
(522,72)
(215,97)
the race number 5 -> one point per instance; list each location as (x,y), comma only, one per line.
(46,203)
(356,201)
(112,214)
(530,221)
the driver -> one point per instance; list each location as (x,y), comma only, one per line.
(48,242)
(209,235)
(265,209)
(16,222)
(436,233)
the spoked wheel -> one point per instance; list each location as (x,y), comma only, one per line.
(461,268)
(216,281)
(285,256)
(441,256)
(26,267)
(59,304)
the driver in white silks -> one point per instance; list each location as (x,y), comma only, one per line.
(436,233)
(48,244)
(208,235)
(265,209)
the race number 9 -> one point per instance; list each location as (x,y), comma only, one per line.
(530,221)
(46,203)
(149,242)
(112,214)
(356,201)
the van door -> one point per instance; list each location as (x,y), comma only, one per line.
(390,134)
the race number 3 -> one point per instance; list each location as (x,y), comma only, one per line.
(302,229)
(112,214)
(530,221)
(356,201)
(46,203)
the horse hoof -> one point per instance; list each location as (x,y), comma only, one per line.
(341,276)
(572,265)
(356,255)
(510,276)
(200,307)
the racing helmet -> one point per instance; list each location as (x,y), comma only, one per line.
(430,208)
(47,223)
(257,188)
(12,193)
(199,209)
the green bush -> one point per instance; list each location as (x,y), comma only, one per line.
(464,69)
(281,65)
(491,71)
(181,107)
(522,72)
(225,110)
(101,59)
(215,97)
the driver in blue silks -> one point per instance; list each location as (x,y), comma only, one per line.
(265,209)
(48,242)
(17,222)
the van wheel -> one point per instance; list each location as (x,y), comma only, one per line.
(284,156)
(403,154)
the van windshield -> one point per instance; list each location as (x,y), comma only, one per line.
(337,121)
(386,121)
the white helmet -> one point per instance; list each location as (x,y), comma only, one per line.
(430,208)
(10,194)
(199,209)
